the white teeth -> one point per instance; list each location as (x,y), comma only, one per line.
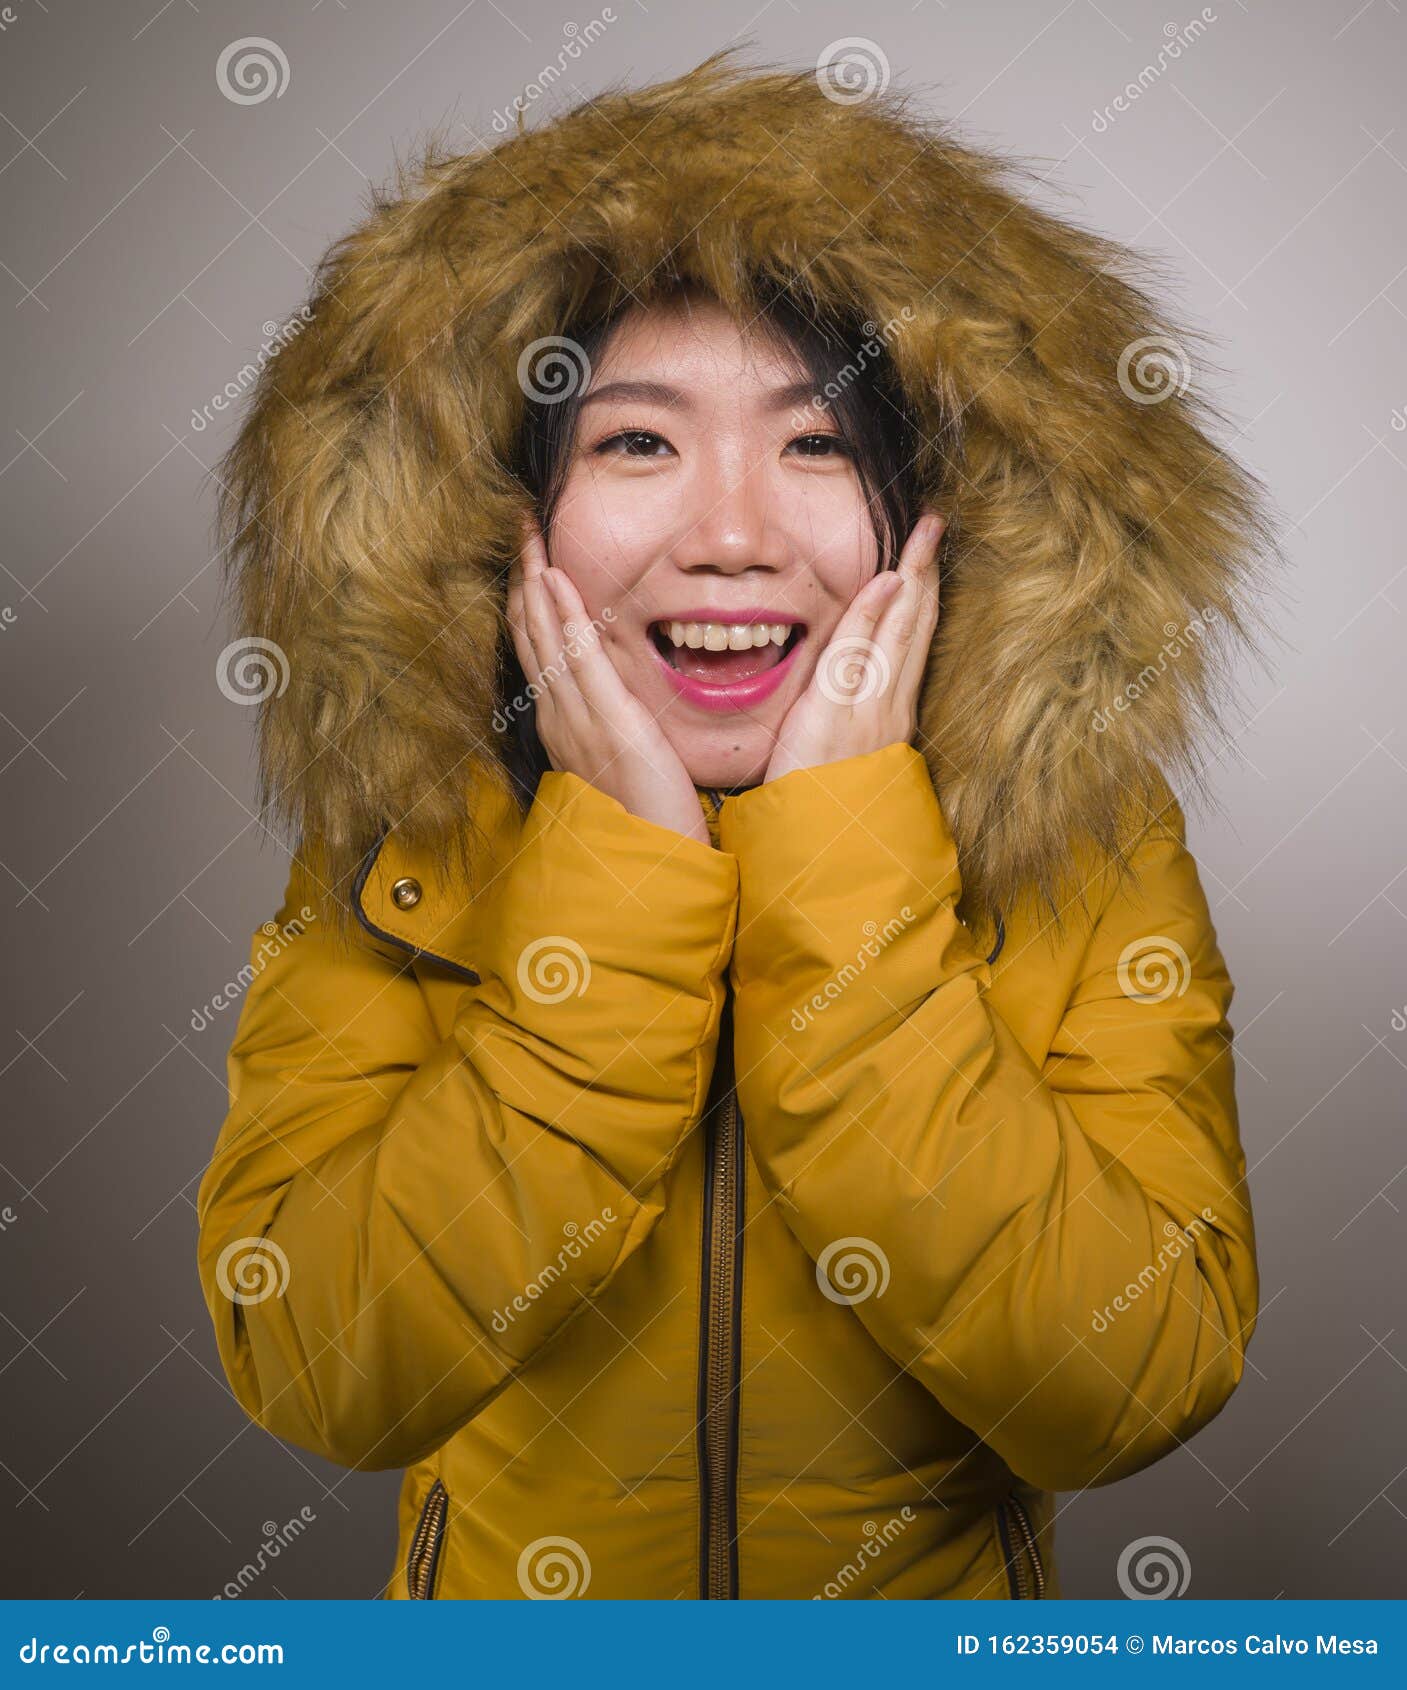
(727,636)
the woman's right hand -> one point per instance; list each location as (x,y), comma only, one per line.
(589,722)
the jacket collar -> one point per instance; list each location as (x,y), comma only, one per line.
(403,900)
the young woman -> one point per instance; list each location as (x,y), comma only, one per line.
(740,1101)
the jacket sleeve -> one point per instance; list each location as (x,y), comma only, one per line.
(1061,1253)
(392,1224)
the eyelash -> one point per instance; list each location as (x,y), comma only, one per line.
(648,433)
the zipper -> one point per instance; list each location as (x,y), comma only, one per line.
(1024,1570)
(720,1331)
(424,1555)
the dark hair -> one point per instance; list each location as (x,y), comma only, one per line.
(849,366)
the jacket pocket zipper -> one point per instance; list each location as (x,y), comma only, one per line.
(424,1554)
(1025,1572)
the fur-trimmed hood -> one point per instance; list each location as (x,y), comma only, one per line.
(1101,549)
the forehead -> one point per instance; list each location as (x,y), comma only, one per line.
(695,344)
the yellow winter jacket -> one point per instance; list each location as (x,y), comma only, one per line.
(719,1221)
(793,1216)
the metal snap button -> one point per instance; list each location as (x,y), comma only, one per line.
(405,894)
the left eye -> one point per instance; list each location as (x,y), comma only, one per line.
(634,443)
(818,445)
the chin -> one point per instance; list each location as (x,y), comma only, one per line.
(728,765)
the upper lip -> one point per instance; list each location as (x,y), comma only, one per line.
(761,614)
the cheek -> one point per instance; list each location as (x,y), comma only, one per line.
(829,525)
(840,567)
(602,544)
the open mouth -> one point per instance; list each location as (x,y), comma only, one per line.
(722,654)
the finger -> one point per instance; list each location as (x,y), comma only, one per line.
(533,554)
(557,699)
(907,631)
(865,609)
(597,678)
(543,622)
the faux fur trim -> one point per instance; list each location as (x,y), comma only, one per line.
(1101,548)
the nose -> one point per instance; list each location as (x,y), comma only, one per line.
(730,518)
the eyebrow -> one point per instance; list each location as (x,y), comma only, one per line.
(661,393)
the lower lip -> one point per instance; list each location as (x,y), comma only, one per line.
(737,695)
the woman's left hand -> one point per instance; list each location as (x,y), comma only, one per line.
(864,692)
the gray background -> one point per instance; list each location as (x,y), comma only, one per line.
(151,227)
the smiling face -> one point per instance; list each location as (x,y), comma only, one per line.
(718,515)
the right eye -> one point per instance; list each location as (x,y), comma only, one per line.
(634,443)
